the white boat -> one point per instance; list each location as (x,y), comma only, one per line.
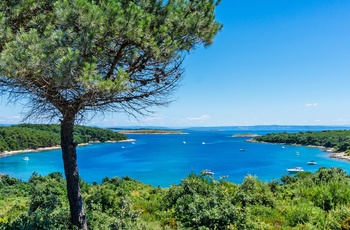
(242,150)
(295,170)
(297,153)
(203,143)
(282,147)
(184,142)
(207,172)
(26,158)
(312,163)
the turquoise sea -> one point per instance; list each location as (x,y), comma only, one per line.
(164,159)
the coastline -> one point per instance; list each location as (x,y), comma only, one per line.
(9,153)
(331,151)
(339,155)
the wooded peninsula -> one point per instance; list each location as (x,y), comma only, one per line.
(34,136)
(339,140)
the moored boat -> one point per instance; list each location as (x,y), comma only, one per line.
(26,158)
(207,172)
(295,170)
(312,163)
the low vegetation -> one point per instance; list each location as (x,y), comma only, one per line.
(33,136)
(319,200)
(337,139)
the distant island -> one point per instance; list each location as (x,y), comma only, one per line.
(25,137)
(335,141)
(149,131)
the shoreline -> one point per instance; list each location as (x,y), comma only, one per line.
(331,151)
(339,155)
(15,152)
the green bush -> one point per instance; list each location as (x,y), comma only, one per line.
(201,203)
(320,200)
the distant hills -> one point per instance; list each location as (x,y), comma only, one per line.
(272,128)
(243,128)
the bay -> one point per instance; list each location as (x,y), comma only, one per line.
(164,159)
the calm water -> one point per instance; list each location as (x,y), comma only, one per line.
(164,159)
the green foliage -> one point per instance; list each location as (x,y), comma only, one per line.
(70,58)
(338,219)
(254,192)
(33,136)
(318,200)
(81,55)
(18,138)
(46,207)
(302,213)
(199,203)
(338,139)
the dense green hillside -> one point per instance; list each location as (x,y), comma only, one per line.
(306,201)
(32,136)
(337,139)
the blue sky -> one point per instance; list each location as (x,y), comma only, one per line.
(284,62)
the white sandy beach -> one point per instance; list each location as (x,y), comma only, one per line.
(9,153)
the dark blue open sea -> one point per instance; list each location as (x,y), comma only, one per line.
(163,159)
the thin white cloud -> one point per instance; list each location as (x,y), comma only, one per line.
(10,119)
(341,121)
(200,118)
(311,105)
(155,117)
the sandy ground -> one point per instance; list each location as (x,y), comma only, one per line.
(7,153)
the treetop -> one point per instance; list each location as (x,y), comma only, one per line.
(82,55)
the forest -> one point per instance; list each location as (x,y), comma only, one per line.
(33,136)
(319,200)
(337,139)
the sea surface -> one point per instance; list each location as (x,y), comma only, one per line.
(165,159)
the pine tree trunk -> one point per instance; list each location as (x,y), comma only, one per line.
(69,155)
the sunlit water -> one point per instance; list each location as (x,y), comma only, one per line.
(163,159)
